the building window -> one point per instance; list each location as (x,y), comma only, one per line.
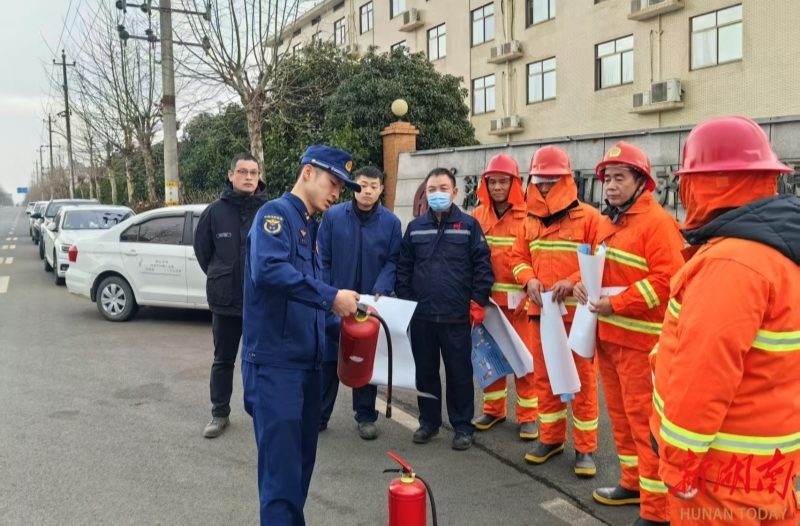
(437,43)
(296,49)
(537,11)
(615,63)
(398,7)
(717,37)
(483,25)
(366,18)
(339,32)
(400,45)
(542,81)
(483,95)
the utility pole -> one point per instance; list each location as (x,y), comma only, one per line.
(171,178)
(41,176)
(64,65)
(168,117)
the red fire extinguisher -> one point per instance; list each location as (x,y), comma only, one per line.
(358,344)
(407,506)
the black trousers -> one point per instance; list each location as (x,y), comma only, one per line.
(453,342)
(227,332)
(363,397)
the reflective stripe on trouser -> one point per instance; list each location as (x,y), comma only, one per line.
(494,397)
(553,412)
(628,389)
(737,506)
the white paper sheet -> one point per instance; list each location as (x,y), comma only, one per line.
(397,314)
(561,367)
(582,335)
(512,346)
(514,298)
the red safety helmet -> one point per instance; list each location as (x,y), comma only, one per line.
(502,164)
(550,161)
(729,144)
(633,156)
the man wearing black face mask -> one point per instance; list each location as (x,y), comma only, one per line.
(445,266)
(219,244)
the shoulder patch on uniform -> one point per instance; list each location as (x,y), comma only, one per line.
(272,224)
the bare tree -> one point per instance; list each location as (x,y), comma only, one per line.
(117,92)
(243,42)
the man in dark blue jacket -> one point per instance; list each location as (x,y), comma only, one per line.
(359,242)
(219,245)
(285,304)
(445,266)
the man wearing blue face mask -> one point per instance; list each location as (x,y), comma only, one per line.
(445,266)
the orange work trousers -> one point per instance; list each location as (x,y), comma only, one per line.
(553,412)
(756,508)
(628,389)
(494,396)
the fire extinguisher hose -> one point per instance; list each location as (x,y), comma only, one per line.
(362,311)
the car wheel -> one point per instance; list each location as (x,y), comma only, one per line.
(59,281)
(41,248)
(115,299)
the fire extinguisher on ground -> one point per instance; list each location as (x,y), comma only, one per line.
(407,505)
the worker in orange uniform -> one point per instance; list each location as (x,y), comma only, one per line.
(727,366)
(643,251)
(501,213)
(545,257)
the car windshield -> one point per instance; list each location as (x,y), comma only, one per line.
(94,219)
(38,207)
(53,210)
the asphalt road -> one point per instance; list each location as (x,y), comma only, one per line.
(102,424)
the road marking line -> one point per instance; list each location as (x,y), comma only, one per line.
(569,513)
(1,261)
(12,247)
(16,239)
(398,415)
(8,239)
(8,261)
(4,284)
(4,247)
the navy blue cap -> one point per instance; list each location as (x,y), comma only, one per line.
(337,162)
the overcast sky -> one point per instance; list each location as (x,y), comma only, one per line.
(30,38)
(26,29)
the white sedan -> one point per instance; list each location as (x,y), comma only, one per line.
(72,223)
(147,260)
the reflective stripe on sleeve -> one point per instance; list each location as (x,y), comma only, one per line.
(654,351)
(630,324)
(678,436)
(507,287)
(648,292)
(519,268)
(777,341)
(674,307)
(626,258)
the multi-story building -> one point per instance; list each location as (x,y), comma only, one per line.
(540,69)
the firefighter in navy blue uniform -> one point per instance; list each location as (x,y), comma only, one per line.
(285,305)
(359,242)
(445,266)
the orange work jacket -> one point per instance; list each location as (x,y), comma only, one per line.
(550,253)
(727,367)
(500,235)
(643,252)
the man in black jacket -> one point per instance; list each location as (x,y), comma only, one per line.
(219,243)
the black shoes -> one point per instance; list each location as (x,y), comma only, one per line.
(423,435)
(617,496)
(367,430)
(462,441)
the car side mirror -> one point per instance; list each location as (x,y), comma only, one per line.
(36,215)
(51,226)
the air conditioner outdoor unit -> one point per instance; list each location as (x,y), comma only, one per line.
(638,5)
(351,48)
(410,16)
(506,123)
(641,99)
(506,49)
(665,91)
